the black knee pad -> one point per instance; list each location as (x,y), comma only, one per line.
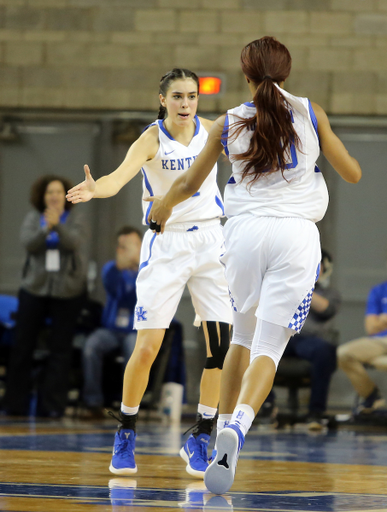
(218,347)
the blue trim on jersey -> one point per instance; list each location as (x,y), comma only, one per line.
(197,126)
(148,212)
(164,130)
(147,184)
(219,203)
(314,119)
(149,189)
(224,137)
(196,194)
(231,181)
(316,169)
(149,125)
(146,263)
(249,104)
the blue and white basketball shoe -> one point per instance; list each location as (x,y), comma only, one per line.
(194,453)
(123,462)
(220,474)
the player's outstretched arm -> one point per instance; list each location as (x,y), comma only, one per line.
(145,148)
(334,150)
(189,183)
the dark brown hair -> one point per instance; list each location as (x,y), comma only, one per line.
(128,230)
(266,62)
(168,78)
(39,188)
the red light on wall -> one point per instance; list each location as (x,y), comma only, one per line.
(209,85)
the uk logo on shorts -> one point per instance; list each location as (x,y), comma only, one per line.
(140,314)
(300,315)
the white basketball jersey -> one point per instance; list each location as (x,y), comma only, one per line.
(172,160)
(301,192)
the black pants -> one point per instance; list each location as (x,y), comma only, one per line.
(322,355)
(31,317)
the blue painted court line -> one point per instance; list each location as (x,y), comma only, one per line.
(193,498)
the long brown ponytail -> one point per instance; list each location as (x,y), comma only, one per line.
(265,62)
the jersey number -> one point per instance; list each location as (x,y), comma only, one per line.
(293,152)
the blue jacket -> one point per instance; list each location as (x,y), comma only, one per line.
(377,303)
(120,286)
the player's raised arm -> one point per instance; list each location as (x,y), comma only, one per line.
(334,150)
(189,182)
(139,152)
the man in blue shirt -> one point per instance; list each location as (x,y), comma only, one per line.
(371,349)
(119,280)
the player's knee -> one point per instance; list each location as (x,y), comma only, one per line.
(219,342)
(145,355)
(271,355)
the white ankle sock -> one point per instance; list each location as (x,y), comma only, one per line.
(243,416)
(223,421)
(129,410)
(207,412)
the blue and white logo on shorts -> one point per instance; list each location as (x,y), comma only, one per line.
(140,314)
(300,315)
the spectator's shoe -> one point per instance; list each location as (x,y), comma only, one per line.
(123,462)
(121,491)
(194,453)
(220,474)
(370,404)
(315,422)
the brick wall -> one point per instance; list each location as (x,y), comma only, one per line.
(110,54)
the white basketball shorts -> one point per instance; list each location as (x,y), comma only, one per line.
(185,254)
(272,264)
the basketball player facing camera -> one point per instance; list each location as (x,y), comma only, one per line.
(187,253)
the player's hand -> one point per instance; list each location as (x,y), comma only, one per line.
(158,215)
(84,191)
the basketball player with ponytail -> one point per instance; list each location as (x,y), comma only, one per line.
(273,199)
(187,253)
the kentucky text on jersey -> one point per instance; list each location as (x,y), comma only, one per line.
(179,164)
(171,161)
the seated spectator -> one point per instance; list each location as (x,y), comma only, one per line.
(53,287)
(313,343)
(119,279)
(371,349)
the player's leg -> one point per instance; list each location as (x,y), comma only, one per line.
(268,345)
(194,452)
(159,287)
(235,365)
(136,378)
(284,302)
(211,301)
